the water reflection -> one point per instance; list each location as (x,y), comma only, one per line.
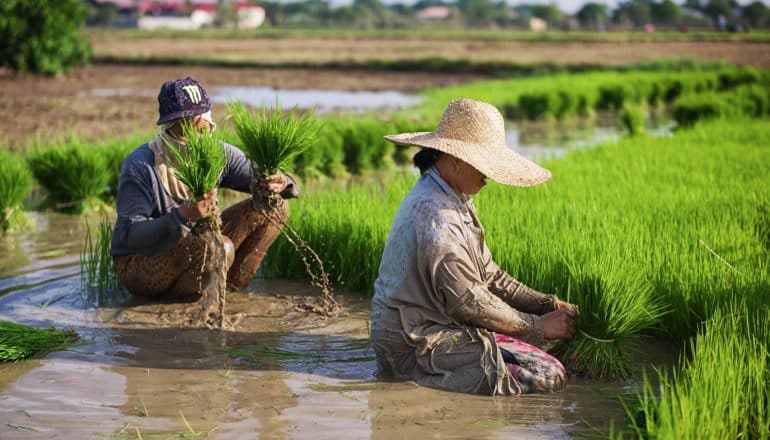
(322,100)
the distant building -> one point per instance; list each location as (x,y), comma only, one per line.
(538,24)
(184,14)
(434,13)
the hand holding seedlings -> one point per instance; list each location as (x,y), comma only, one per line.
(274,183)
(572,308)
(559,324)
(204,207)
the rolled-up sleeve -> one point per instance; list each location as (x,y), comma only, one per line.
(515,293)
(455,278)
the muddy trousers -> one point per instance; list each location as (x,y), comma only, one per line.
(184,268)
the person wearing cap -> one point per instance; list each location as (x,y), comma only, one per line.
(154,252)
(444,314)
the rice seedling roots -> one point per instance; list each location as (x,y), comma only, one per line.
(214,291)
(268,202)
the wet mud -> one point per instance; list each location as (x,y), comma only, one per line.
(276,371)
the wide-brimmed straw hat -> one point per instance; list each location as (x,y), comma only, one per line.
(474,132)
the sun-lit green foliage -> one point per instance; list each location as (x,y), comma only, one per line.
(19,341)
(98,279)
(75,175)
(626,231)
(15,183)
(200,161)
(633,117)
(42,36)
(273,140)
(720,390)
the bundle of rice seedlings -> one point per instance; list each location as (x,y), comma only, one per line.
(19,341)
(75,176)
(616,304)
(15,182)
(199,165)
(97,271)
(200,162)
(633,117)
(272,142)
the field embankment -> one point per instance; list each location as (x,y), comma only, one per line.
(470,51)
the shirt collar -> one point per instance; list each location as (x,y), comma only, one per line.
(433,174)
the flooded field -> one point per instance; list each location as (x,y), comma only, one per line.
(320,100)
(279,373)
(50,108)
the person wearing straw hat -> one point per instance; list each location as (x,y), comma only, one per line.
(155,254)
(444,314)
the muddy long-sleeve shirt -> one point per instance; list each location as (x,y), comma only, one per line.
(437,277)
(148,220)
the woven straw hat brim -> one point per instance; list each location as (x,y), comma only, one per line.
(500,163)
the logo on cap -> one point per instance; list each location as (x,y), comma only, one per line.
(193,92)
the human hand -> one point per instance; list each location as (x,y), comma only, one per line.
(564,305)
(559,324)
(276,183)
(206,206)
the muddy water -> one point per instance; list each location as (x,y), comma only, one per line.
(541,140)
(321,100)
(278,373)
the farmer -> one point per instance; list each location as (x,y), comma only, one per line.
(155,254)
(444,314)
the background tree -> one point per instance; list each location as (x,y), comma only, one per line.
(41,36)
(550,13)
(725,8)
(756,14)
(592,15)
(370,13)
(666,13)
(477,12)
(636,12)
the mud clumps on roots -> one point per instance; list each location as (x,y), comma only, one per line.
(213,279)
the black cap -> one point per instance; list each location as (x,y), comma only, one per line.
(183,98)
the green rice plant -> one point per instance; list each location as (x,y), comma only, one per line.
(633,117)
(15,183)
(721,389)
(613,96)
(738,77)
(19,341)
(200,161)
(115,152)
(274,140)
(693,108)
(330,143)
(98,279)
(625,230)
(536,105)
(75,176)
(616,304)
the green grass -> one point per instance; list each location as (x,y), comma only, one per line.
(623,230)
(15,183)
(273,140)
(98,278)
(75,175)
(19,341)
(200,161)
(720,390)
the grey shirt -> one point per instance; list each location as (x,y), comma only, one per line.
(148,220)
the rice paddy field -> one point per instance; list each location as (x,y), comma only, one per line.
(660,232)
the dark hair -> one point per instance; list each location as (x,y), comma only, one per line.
(425,159)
